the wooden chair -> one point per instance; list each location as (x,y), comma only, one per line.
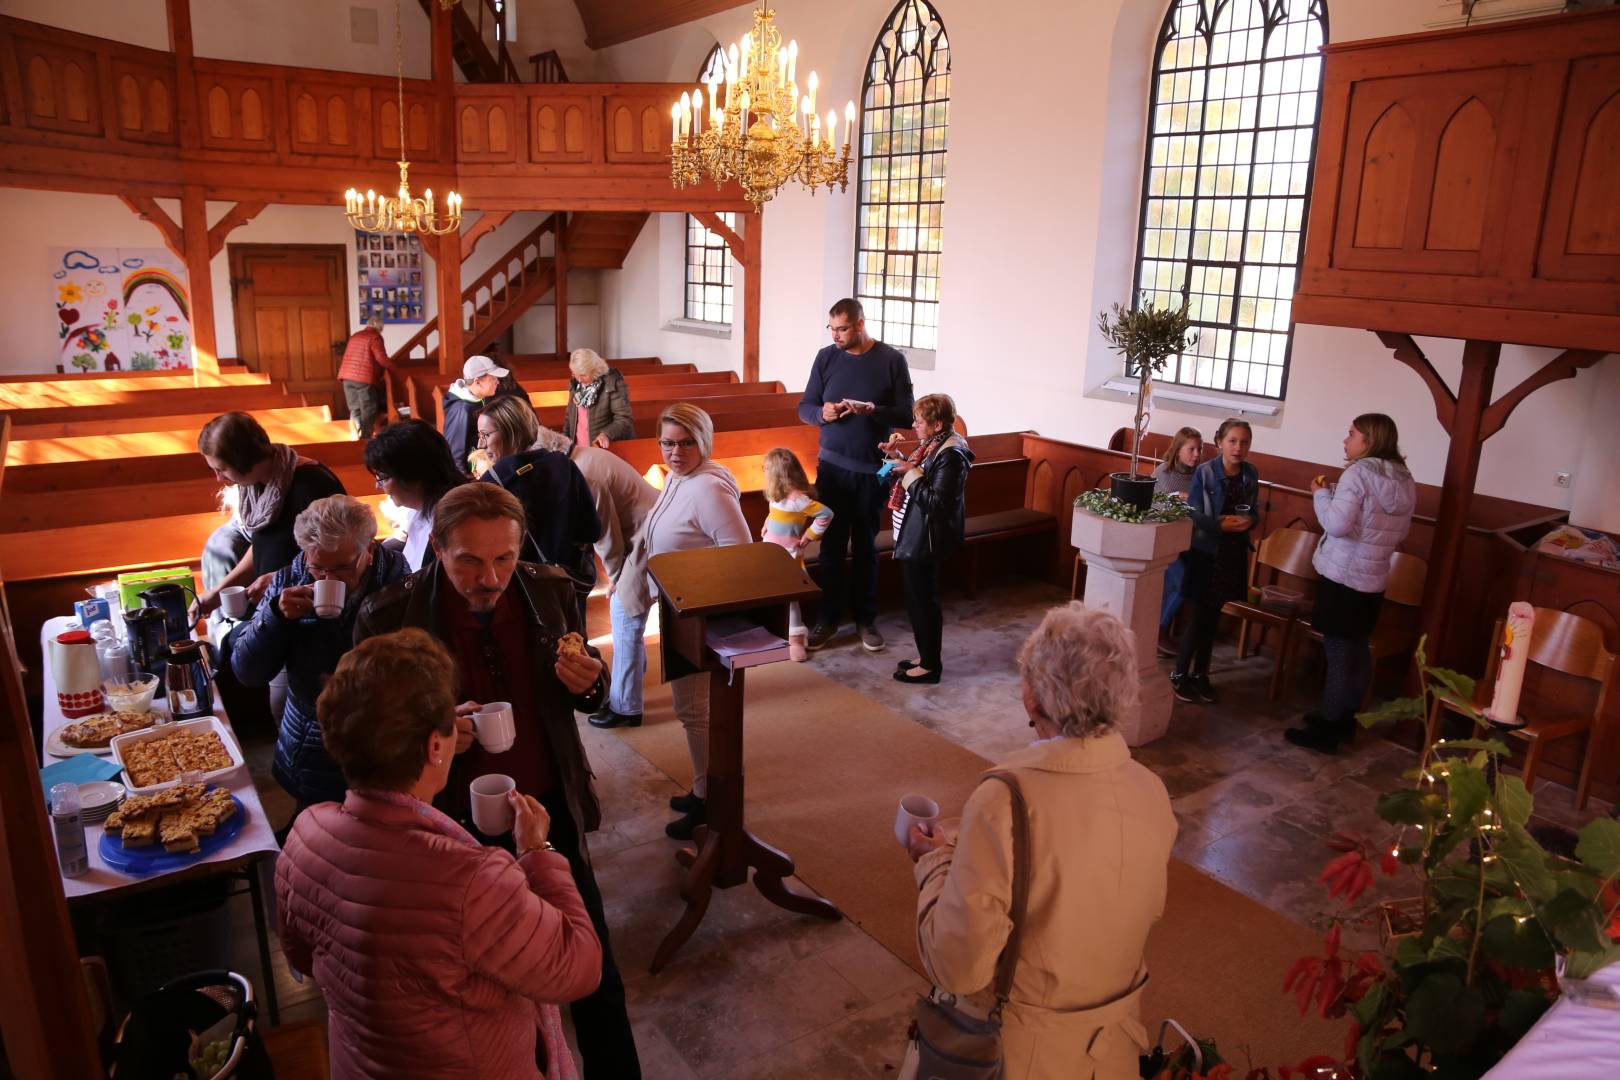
(1285,553)
(1568,648)
(1397,631)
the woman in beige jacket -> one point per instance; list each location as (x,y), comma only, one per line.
(1100,830)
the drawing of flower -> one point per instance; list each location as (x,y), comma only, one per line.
(153,310)
(177,341)
(69,293)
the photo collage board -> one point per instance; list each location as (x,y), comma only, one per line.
(390,276)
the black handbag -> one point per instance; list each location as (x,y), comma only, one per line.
(950,1043)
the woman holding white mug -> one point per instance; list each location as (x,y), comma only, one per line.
(338,554)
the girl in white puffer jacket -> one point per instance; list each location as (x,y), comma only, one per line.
(1364,519)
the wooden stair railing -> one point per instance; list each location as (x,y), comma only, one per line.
(548,67)
(471,48)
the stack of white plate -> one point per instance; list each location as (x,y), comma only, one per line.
(98,799)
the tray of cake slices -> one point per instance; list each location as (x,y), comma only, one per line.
(197,750)
(171,828)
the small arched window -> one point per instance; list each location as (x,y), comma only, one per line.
(708,261)
(901,189)
(1227,182)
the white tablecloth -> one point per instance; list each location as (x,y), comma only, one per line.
(1569,1042)
(256,835)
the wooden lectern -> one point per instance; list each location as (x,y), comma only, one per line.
(754,582)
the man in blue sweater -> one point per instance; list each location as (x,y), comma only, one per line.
(858,392)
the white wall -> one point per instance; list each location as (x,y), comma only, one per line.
(640,302)
(1048,111)
(303,33)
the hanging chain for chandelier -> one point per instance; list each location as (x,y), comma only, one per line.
(751,130)
(402,212)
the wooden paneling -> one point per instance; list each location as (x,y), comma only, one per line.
(237,110)
(292,312)
(59,84)
(146,102)
(1464,185)
(328,117)
(638,127)
(559,131)
(486,128)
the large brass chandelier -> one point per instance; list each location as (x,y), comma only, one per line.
(751,129)
(403,212)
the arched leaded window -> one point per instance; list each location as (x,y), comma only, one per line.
(708,261)
(1226,186)
(901,192)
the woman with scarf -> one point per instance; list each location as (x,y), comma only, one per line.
(598,402)
(272,484)
(929,510)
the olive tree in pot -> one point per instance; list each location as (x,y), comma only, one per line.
(1147,337)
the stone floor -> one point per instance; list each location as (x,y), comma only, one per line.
(759,992)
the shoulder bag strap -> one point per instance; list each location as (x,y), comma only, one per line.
(1020,891)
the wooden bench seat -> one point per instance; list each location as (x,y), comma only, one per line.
(155,443)
(58,388)
(72,476)
(217,399)
(205,378)
(121,425)
(646,411)
(638,383)
(699,392)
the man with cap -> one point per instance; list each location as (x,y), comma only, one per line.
(480,379)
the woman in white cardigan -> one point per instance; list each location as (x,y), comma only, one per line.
(1364,518)
(1100,831)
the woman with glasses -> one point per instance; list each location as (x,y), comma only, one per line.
(337,541)
(414,468)
(699,507)
(563,524)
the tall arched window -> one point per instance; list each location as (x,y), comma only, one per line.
(708,261)
(1227,182)
(901,191)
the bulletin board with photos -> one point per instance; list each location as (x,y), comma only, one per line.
(390,276)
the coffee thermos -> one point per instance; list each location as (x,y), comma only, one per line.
(189,680)
(148,637)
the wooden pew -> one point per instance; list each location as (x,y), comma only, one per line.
(155,443)
(128,403)
(646,411)
(423,389)
(203,378)
(641,384)
(121,425)
(542,399)
(72,476)
(70,391)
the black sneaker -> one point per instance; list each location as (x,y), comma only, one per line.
(1183,687)
(1206,693)
(1318,737)
(682,828)
(685,803)
(819,636)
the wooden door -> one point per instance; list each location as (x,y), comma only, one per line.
(291,304)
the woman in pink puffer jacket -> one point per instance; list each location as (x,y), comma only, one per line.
(438,957)
(1364,519)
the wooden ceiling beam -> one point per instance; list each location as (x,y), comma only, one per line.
(1563,366)
(611,22)
(240,214)
(147,209)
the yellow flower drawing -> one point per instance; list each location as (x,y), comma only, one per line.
(69,293)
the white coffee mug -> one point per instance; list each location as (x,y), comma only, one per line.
(233,601)
(915,810)
(495,727)
(491,811)
(329,597)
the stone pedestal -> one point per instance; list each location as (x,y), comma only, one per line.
(1125,566)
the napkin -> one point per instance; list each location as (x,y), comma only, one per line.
(79,769)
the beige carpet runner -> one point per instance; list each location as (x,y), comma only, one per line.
(825,770)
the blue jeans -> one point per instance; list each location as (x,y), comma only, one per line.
(629,659)
(1174,574)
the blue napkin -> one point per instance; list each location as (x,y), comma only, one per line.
(79,769)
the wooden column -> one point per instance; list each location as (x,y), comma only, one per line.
(185,76)
(194,227)
(450,332)
(560,290)
(1457,489)
(752,252)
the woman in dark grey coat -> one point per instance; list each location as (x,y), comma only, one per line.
(598,402)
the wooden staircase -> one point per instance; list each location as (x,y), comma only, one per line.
(471,48)
(523,276)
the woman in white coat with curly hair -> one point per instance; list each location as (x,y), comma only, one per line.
(1100,830)
(1364,518)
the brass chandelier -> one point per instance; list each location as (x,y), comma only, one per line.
(403,212)
(751,129)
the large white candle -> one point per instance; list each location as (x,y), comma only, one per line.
(1515,652)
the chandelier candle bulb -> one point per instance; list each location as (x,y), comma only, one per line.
(675,122)
(813,81)
(832,121)
(793,60)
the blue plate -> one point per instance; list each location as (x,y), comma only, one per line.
(152,859)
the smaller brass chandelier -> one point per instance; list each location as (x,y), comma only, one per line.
(403,212)
(753,132)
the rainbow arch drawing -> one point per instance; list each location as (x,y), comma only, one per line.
(163,279)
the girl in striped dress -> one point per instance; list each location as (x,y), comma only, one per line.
(795,519)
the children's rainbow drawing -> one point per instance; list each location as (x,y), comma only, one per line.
(164,280)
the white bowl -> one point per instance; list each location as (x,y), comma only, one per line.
(136,699)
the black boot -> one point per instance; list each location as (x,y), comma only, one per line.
(1317,734)
(682,827)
